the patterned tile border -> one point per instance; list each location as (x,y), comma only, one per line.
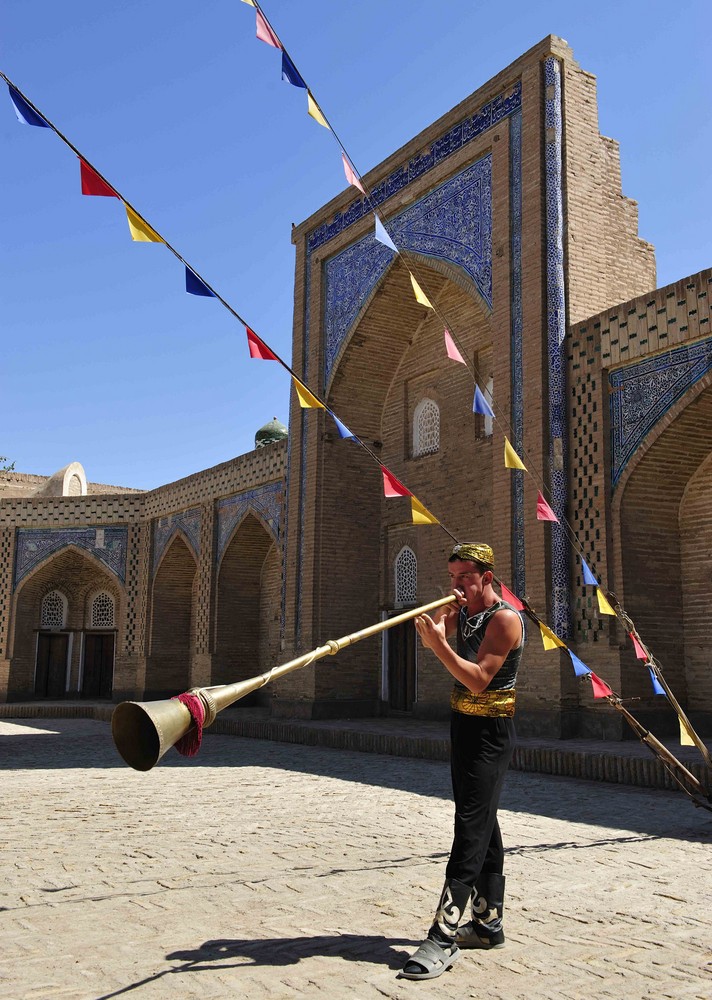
(107,544)
(187,521)
(556,330)
(645,391)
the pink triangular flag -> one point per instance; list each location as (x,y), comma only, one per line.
(351,175)
(393,487)
(639,651)
(451,348)
(511,598)
(265,33)
(600,688)
(543,510)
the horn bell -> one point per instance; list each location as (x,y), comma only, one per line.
(144,730)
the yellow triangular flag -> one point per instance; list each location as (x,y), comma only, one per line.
(140,229)
(420,514)
(549,638)
(511,458)
(250,2)
(685,739)
(315,111)
(603,605)
(420,294)
(306,400)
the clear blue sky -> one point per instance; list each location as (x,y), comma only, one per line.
(105,358)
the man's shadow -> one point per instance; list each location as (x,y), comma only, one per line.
(226,953)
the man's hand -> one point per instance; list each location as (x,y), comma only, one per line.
(433,634)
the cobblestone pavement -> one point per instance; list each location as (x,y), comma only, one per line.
(269,870)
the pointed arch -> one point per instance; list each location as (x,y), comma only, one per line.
(661,507)
(172,634)
(247,605)
(42,666)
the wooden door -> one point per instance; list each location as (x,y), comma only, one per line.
(98,672)
(51,667)
(401,666)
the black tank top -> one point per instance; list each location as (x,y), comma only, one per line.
(471,632)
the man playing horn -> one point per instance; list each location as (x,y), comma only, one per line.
(490,639)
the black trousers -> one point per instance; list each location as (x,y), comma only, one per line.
(481,750)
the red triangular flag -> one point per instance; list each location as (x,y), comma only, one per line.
(258,348)
(600,688)
(639,651)
(92,183)
(511,598)
(393,487)
(543,510)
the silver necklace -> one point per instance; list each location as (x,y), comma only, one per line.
(468,626)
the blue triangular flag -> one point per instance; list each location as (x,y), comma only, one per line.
(343,430)
(657,686)
(289,72)
(382,236)
(195,286)
(588,576)
(480,404)
(24,112)
(580,668)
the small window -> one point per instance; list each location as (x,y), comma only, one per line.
(406,575)
(102,611)
(426,428)
(54,610)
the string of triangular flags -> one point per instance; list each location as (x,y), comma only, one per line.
(93,183)
(481,404)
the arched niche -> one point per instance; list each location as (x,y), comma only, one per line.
(49,661)
(248,607)
(172,621)
(664,503)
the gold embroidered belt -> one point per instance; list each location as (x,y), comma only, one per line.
(490,704)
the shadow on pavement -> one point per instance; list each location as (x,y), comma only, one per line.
(87,744)
(276,953)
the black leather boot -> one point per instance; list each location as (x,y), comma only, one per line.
(439,951)
(485,928)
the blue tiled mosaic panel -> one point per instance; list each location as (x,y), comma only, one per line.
(266,501)
(458,136)
(645,391)
(453,222)
(187,521)
(556,329)
(517,366)
(35,544)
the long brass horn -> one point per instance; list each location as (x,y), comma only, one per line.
(144,730)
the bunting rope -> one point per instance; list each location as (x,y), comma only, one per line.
(94,183)
(266,32)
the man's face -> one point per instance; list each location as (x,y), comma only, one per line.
(466,577)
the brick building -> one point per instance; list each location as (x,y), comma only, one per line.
(509,209)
